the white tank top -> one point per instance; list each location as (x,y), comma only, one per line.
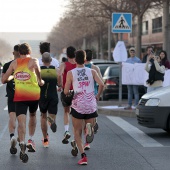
(84,100)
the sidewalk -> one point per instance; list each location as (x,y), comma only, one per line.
(112,108)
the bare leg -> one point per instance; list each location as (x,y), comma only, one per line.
(21,127)
(66,115)
(44,126)
(12,122)
(32,123)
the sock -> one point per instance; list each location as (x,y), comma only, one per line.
(30,138)
(83,155)
(66,127)
(11,135)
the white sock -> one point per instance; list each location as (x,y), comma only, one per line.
(66,127)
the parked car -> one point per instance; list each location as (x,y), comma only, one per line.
(153,110)
(111,81)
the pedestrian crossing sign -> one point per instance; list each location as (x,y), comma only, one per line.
(121,22)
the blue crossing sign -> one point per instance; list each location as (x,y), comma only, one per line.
(121,22)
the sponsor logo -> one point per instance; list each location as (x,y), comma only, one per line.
(22,76)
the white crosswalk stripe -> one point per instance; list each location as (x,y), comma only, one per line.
(135,133)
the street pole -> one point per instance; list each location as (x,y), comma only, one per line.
(120,77)
(109,41)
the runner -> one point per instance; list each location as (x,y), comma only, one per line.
(89,57)
(66,101)
(84,103)
(11,105)
(48,97)
(27,93)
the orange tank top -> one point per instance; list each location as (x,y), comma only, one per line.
(26,85)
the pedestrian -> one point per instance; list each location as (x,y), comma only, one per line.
(89,57)
(164,59)
(156,72)
(48,97)
(27,79)
(11,105)
(84,103)
(66,101)
(132,89)
(45,47)
(149,50)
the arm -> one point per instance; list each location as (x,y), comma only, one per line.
(100,83)
(37,72)
(98,71)
(60,73)
(147,67)
(7,76)
(69,80)
(159,68)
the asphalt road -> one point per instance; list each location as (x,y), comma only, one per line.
(120,144)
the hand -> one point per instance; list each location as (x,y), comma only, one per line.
(97,97)
(59,89)
(41,83)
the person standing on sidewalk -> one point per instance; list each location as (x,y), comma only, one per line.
(84,105)
(48,96)
(132,89)
(66,101)
(10,87)
(27,93)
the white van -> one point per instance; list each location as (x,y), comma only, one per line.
(153,110)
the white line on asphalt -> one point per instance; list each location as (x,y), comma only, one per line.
(1,134)
(135,133)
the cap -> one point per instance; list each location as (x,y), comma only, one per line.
(132,49)
(46,58)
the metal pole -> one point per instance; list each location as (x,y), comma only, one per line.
(109,41)
(120,77)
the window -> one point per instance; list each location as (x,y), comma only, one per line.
(157,25)
(134,31)
(145,28)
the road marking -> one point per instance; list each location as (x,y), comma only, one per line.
(135,133)
(5,128)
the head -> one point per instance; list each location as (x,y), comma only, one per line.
(89,55)
(46,58)
(24,49)
(132,52)
(16,51)
(70,52)
(64,59)
(80,57)
(163,55)
(44,47)
(149,49)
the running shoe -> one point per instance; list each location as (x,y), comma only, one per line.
(86,146)
(47,138)
(52,124)
(45,144)
(31,146)
(66,137)
(83,161)
(96,127)
(13,142)
(74,150)
(89,133)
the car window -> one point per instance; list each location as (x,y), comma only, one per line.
(114,71)
(102,69)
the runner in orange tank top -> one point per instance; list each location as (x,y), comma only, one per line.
(27,92)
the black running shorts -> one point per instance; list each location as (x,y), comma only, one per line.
(77,115)
(22,107)
(49,105)
(11,105)
(66,100)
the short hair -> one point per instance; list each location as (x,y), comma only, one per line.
(70,52)
(64,59)
(80,56)
(149,47)
(46,58)
(89,55)
(24,49)
(16,47)
(44,47)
